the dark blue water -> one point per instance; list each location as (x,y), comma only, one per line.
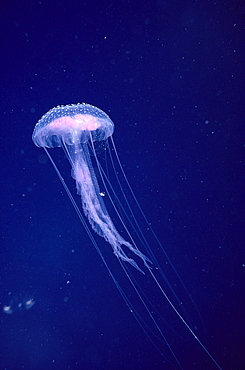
(170,74)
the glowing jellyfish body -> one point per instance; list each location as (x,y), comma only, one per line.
(84,124)
(77,128)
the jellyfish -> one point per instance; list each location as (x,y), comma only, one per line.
(72,127)
(78,129)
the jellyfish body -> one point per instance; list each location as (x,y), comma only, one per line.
(74,127)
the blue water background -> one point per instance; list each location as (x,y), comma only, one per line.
(170,74)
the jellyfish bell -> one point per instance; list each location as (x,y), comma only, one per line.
(76,128)
(72,124)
